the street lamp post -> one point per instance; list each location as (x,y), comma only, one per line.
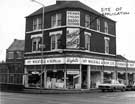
(42,43)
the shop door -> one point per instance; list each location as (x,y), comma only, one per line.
(84,76)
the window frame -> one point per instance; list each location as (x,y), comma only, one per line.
(98,24)
(56,20)
(107,45)
(36,40)
(87,21)
(37,23)
(87,40)
(9,53)
(106,27)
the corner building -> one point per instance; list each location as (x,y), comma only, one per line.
(78,50)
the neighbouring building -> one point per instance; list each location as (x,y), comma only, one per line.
(11,71)
(78,50)
(15,52)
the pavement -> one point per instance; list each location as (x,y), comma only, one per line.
(52,91)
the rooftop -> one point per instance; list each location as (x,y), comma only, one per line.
(61,4)
(17,45)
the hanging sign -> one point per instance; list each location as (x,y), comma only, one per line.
(72,72)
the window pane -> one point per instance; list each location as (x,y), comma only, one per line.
(19,55)
(53,21)
(98,24)
(58,41)
(87,21)
(39,23)
(106,27)
(106,45)
(34,23)
(59,20)
(10,55)
(35,44)
(53,42)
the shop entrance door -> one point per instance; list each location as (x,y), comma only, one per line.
(73,79)
(84,76)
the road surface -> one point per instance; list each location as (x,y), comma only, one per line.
(127,97)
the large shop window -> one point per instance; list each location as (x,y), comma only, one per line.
(107,41)
(87,40)
(108,75)
(56,20)
(34,79)
(55,79)
(37,23)
(55,39)
(35,43)
(122,76)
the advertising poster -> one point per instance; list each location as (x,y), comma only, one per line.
(72,38)
(73,18)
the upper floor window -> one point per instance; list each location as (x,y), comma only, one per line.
(35,44)
(87,21)
(37,23)
(56,20)
(19,55)
(98,25)
(87,40)
(107,41)
(10,55)
(105,27)
(55,39)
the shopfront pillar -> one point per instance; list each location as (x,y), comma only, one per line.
(102,76)
(126,76)
(114,75)
(45,77)
(88,77)
(65,78)
(25,78)
(80,79)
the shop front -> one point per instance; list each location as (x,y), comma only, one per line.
(73,72)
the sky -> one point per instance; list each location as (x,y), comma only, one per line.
(13,13)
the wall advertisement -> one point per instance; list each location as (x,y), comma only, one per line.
(73,18)
(72,38)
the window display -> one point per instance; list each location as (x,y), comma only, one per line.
(55,79)
(34,79)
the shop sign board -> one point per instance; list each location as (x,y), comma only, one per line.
(44,61)
(72,72)
(72,38)
(33,62)
(131,65)
(73,18)
(108,63)
(89,61)
(72,60)
(121,64)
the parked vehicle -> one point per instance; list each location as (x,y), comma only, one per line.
(112,85)
(130,87)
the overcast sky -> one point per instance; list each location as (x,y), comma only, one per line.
(13,13)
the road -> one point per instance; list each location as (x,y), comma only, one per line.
(127,97)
